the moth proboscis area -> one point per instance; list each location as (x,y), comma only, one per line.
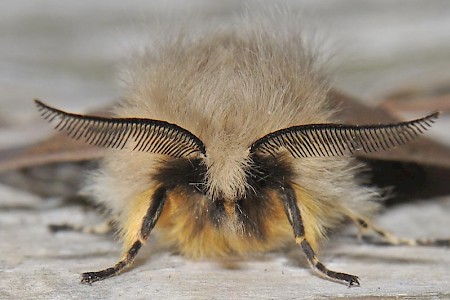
(226,145)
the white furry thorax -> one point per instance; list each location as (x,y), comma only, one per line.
(229,88)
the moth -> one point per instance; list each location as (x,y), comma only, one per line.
(225,145)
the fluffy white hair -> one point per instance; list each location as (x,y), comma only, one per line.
(230,87)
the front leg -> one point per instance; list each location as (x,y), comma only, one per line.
(154,210)
(295,219)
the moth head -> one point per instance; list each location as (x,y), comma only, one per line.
(231,165)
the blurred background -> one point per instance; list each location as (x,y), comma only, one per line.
(67,52)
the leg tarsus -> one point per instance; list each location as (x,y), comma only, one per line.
(62,227)
(434,242)
(391,239)
(352,280)
(148,222)
(90,277)
(314,262)
(101,228)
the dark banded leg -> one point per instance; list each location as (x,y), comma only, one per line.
(293,213)
(90,277)
(102,228)
(148,222)
(366,226)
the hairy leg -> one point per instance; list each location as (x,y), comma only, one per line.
(295,219)
(156,204)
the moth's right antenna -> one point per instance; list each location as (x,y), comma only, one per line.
(148,135)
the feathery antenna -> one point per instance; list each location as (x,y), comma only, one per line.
(148,135)
(324,140)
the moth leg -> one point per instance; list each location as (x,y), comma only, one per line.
(148,222)
(365,226)
(101,228)
(295,219)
